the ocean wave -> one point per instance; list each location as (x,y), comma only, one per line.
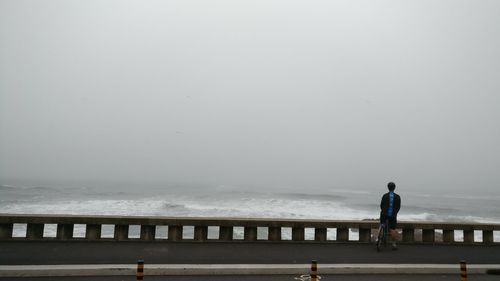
(350,191)
(420,217)
(472,197)
(7,188)
(434,209)
(309,196)
(88,201)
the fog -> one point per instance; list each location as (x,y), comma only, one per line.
(252,94)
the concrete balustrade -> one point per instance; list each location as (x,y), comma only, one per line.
(93,232)
(298,234)
(428,235)
(412,232)
(201,233)
(342,234)
(34,231)
(148,232)
(250,233)
(365,234)
(65,231)
(320,234)
(226,233)
(448,235)
(488,236)
(6,230)
(175,232)
(408,234)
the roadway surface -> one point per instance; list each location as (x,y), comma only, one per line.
(128,252)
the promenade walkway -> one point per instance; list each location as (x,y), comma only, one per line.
(110,252)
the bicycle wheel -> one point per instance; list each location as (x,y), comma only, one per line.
(380,238)
(385,237)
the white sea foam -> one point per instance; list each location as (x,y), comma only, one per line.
(265,208)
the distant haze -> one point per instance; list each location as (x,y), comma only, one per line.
(252,94)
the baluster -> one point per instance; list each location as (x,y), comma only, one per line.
(65,231)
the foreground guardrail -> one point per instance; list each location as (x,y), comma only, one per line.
(412,232)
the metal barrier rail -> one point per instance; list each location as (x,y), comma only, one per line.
(425,232)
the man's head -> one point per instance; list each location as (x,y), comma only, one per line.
(391,186)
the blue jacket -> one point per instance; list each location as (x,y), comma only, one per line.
(390,204)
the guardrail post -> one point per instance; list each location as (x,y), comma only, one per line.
(408,235)
(34,231)
(175,232)
(428,235)
(226,233)
(448,235)
(93,232)
(365,235)
(463,271)
(121,232)
(487,236)
(320,234)
(140,270)
(148,232)
(65,231)
(342,234)
(200,233)
(6,230)
(298,234)
(468,236)
(314,270)
(250,233)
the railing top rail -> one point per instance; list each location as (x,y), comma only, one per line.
(229,221)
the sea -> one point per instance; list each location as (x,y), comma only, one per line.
(183,200)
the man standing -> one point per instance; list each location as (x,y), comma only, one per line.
(389,208)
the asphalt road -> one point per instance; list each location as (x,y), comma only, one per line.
(109,252)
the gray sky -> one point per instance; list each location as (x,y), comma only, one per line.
(279,94)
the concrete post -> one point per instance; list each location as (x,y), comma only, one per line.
(448,235)
(487,236)
(274,234)
(175,232)
(64,231)
(148,232)
(250,233)
(121,232)
(320,234)
(93,232)
(298,234)
(463,271)
(226,233)
(34,231)
(314,270)
(428,235)
(365,235)
(468,236)
(408,235)
(6,230)
(201,233)
(140,270)
(343,234)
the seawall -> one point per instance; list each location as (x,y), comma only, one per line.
(197,229)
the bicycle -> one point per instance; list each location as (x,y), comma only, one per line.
(382,236)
